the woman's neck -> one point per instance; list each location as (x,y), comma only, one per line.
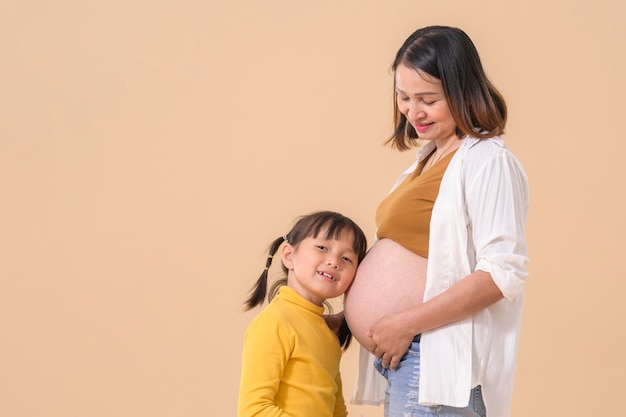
(444,147)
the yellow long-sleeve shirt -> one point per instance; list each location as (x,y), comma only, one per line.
(290,362)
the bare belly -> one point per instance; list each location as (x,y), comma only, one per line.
(389,279)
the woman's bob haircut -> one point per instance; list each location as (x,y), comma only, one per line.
(449,55)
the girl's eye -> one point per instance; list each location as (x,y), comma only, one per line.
(321,247)
(346,259)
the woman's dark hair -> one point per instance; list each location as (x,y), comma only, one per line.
(449,55)
(335,224)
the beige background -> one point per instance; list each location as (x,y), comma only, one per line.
(150,150)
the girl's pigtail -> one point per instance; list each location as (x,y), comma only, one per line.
(259,290)
(344,334)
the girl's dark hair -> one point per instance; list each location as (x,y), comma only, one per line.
(310,225)
(448,54)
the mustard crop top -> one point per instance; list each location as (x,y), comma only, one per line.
(404,215)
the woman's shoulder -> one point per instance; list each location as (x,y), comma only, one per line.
(482,146)
(479,149)
(489,154)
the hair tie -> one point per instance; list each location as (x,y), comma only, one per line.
(285,238)
(268,262)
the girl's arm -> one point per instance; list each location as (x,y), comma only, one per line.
(263,362)
(340,403)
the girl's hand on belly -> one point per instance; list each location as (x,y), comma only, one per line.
(391,339)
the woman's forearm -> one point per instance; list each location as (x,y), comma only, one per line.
(475,292)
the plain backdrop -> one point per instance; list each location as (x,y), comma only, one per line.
(151,150)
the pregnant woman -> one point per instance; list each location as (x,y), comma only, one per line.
(437,301)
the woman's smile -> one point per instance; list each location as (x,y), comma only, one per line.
(422,127)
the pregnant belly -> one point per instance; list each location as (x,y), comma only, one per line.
(389,279)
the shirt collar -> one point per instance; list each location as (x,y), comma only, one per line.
(290,295)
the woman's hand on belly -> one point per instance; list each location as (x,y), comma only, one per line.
(391,339)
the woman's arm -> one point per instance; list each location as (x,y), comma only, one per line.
(393,334)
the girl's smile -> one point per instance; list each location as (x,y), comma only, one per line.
(327,275)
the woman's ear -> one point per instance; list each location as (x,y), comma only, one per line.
(287,253)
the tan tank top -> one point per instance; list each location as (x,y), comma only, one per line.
(404,215)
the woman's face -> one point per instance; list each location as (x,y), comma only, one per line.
(421,100)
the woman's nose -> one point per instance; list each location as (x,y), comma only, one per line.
(415,112)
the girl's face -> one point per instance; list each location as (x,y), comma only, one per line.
(319,268)
(421,100)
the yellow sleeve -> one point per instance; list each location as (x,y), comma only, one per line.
(266,350)
(340,403)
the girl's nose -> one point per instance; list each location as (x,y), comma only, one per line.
(332,262)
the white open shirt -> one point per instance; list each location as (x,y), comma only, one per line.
(478,223)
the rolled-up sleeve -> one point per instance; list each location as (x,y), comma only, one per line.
(497,204)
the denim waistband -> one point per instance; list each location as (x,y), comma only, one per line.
(417,338)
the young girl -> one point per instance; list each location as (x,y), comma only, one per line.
(291,357)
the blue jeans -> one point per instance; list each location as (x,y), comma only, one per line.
(402,391)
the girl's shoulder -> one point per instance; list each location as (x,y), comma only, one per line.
(274,318)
